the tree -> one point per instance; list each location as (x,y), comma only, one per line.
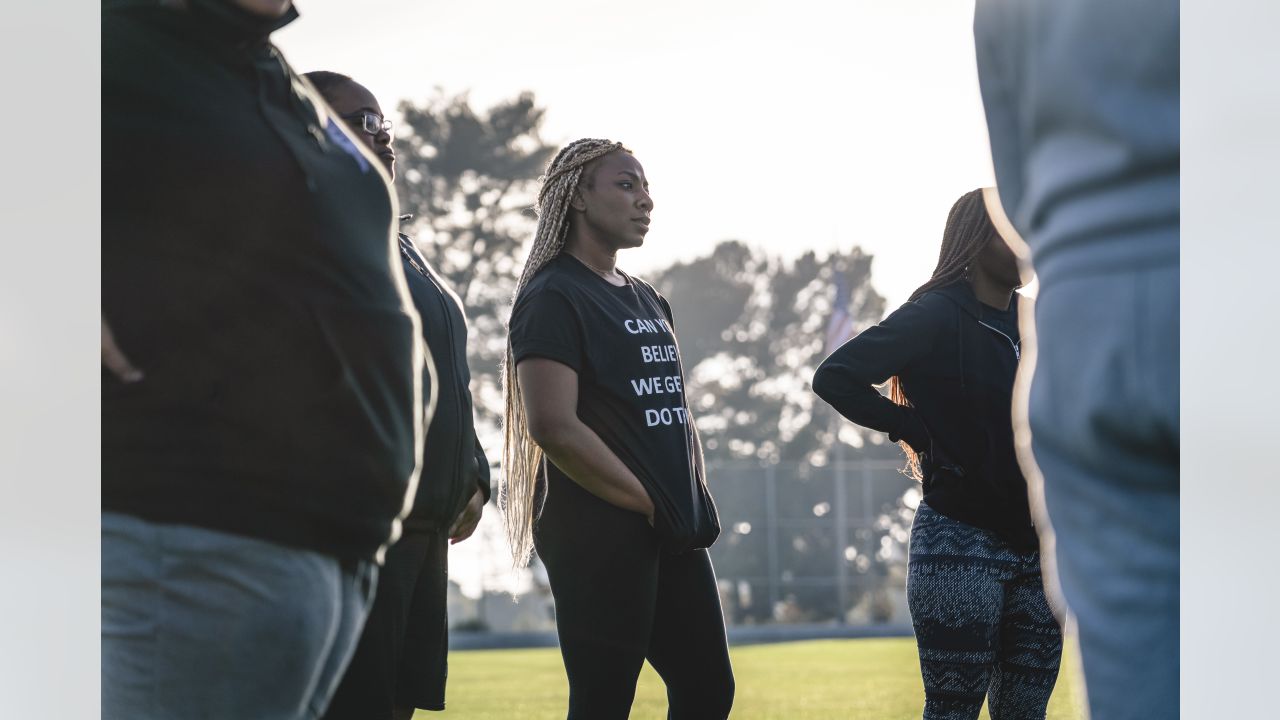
(470,180)
(753,329)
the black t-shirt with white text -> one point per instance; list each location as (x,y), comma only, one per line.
(630,384)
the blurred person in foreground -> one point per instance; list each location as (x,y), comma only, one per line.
(604,472)
(262,402)
(982,622)
(401,662)
(1082,108)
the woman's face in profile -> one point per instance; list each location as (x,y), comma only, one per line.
(352,101)
(998,260)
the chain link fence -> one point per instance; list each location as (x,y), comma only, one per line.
(801,544)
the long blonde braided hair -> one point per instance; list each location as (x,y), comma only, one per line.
(521,456)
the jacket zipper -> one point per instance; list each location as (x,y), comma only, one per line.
(448,321)
(1017,352)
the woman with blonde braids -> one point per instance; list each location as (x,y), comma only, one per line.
(603,467)
(983,626)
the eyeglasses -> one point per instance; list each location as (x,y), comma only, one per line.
(370,122)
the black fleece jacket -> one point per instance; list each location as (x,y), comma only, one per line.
(956,359)
(250,270)
(453,462)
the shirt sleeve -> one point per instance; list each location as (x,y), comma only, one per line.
(545,324)
(646,288)
(846,379)
(482,476)
(666,310)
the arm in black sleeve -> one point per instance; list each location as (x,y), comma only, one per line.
(482,474)
(545,323)
(482,460)
(846,378)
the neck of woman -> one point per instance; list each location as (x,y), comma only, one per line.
(595,255)
(990,291)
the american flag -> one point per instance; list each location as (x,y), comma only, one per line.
(840,326)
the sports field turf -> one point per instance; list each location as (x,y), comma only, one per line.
(839,679)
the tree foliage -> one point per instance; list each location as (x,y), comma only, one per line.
(470,180)
(752,329)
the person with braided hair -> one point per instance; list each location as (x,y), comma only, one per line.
(602,463)
(983,625)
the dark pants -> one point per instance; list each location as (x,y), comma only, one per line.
(620,601)
(983,625)
(402,658)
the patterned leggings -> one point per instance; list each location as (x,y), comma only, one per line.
(982,623)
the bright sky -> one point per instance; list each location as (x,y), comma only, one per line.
(797,125)
(789,125)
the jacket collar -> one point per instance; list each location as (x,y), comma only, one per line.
(216,23)
(961,293)
(237,24)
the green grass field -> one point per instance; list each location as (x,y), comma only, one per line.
(839,679)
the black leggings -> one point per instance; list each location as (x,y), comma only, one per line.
(620,601)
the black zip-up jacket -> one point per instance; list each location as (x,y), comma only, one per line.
(453,463)
(956,359)
(244,274)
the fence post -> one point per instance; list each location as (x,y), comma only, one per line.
(868,516)
(842,535)
(771,531)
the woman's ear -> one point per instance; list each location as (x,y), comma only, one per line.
(576,201)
